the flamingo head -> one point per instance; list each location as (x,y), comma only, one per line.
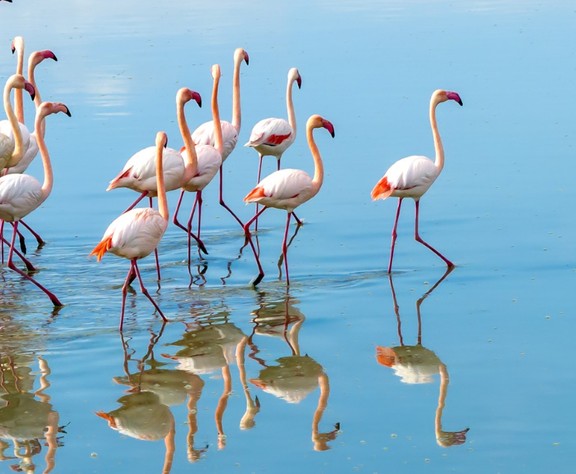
(18,81)
(161,139)
(316,121)
(294,76)
(47,108)
(185,95)
(216,73)
(241,55)
(17,44)
(442,96)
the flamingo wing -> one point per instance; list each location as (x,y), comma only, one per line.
(209,162)
(270,132)
(281,185)
(410,177)
(26,159)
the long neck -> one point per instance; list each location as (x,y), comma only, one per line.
(236,109)
(37,98)
(190,157)
(218,144)
(48,175)
(18,95)
(318,165)
(18,143)
(438,148)
(290,107)
(160,187)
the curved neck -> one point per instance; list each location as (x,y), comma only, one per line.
(218,144)
(37,98)
(318,165)
(48,175)
(438,148)
(160,187)
(236,109)
(18,144)
(290,107)
(190,157)
(18,95)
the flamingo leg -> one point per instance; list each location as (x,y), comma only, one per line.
(145,292)
(133,205)
(221,198)
(285,247)
(25,261)
(3,240)
(394,235)
(55,301)
(426,244)
(129,279)
(257,181)
(175,220)
(260,275)
(35,234)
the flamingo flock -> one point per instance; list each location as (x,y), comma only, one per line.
(157,169)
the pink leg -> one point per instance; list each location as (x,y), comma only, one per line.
(394,235)
(258,278)
(133,205)
(419,239)
(184,228)
(3,241)
(129,279)
(35,234)
(25,261)
(222,203)
(145,292)
(285,247)
(55,301)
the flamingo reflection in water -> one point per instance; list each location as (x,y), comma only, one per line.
(210,345)
(415,364)
(27,419)
(292,378)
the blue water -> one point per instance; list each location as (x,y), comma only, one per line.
(287,380)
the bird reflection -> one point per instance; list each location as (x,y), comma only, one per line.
(210,344)
(293,377)
(415,364)
(27,419)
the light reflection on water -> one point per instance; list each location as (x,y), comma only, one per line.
(289,381)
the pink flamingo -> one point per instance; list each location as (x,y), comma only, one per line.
(207,160)
(32,150)
(20,194)
(273,136)
(204,134)
(136,233)
(412,176)
(139,172)
(287,189)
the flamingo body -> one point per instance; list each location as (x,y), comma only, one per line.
(271,137)
(20,194)
(284,189)
(204,135)
(139,172)
(134,234)
(409,177)
(209,162)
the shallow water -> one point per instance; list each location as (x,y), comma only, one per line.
(278,380)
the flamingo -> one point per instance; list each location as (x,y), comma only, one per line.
(287,189)
(20,194)
(207,161)
(139,172)
(204,134)
(136,233)
(273,136)
(412,176)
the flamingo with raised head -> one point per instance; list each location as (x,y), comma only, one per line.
(136,233)
(272,136)
(204,134)
(412,176)
(139,172)
(287,189)
(20,194)
(207,160)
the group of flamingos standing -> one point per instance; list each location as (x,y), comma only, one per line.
(157,169)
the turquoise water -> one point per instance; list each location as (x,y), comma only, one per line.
(288,380)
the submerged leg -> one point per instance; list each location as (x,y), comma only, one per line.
(260,275)
(285,247)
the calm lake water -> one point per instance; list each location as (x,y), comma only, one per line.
(274,380)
